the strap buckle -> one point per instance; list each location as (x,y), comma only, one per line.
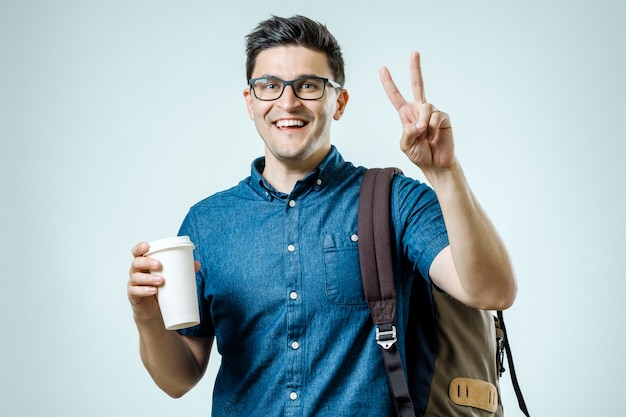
(386,338)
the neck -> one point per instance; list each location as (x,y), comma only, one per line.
(284,174)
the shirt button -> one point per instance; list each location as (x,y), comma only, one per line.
(291,248)
(293,295)
(295,345)
(293,396)
(319,181)
(354,238)
(292,203)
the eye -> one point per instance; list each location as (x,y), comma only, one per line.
(267,84)
(310,84)
(270,85)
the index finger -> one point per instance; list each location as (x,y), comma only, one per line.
(417,82)
(140,249)
(390,88)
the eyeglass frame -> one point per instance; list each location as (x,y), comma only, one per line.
(333,84)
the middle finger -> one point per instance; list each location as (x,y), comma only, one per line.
(417,82)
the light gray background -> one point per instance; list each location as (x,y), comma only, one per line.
(116,116)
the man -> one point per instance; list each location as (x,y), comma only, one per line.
(278,273)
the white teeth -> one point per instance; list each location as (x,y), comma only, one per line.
(289,123)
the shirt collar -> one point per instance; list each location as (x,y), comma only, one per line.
(321,177)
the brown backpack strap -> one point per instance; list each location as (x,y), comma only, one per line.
(374,230)
(374,227)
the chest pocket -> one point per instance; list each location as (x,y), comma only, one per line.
(342,273)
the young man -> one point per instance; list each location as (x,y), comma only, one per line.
(278,275)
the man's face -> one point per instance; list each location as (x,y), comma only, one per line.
(294,130)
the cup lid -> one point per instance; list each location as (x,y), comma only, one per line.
(168,243)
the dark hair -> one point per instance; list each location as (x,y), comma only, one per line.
(297,30)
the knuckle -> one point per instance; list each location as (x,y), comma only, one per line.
(138,287)
(139,264)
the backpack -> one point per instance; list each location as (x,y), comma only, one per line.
(454,353)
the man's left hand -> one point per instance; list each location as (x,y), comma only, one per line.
(427,138)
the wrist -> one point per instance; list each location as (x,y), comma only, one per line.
(149,323)
(443,177)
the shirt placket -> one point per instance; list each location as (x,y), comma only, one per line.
(295,312)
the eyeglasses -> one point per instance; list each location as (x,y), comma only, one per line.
(305,88)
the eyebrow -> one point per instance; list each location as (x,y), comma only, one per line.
(299,76)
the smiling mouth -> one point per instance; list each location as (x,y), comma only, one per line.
(289,123)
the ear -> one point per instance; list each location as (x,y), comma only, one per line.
(248,97)
(342,101)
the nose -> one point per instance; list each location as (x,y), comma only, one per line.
(288,99)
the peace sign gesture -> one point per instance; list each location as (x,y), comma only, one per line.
(427,133)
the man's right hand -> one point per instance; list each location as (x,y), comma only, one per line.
(142,285)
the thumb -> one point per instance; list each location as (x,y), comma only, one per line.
(412,133)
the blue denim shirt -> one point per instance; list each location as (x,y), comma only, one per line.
(280,289)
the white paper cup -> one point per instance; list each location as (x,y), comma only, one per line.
(177,297)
